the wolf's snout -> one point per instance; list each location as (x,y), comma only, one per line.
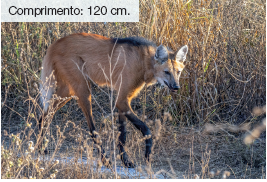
(175,87)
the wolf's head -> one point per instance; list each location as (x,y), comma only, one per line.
(169,66)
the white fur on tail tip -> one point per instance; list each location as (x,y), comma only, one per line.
(46,95)
(47,80)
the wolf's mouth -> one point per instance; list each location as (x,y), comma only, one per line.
(170,87)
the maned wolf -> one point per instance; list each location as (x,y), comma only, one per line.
(135,61)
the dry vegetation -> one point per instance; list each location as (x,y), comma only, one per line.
(222,83)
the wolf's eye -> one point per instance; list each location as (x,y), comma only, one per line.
(178,72)
(167,73)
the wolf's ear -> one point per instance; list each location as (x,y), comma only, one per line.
(161,55)
(181,54)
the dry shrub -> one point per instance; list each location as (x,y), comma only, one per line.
(250,137)
(255,133)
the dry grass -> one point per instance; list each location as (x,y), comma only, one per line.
(222,83)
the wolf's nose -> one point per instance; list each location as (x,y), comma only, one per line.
(176,87)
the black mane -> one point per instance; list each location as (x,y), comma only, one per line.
(135,41)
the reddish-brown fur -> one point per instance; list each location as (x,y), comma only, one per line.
(94,50)
(78,58)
